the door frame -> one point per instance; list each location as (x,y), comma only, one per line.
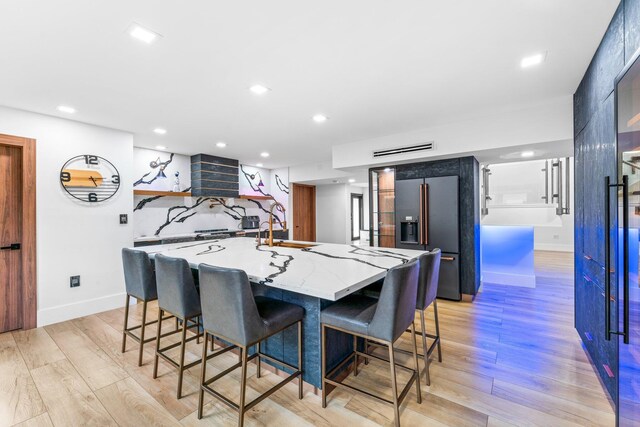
(28,244)
(297,186)
(361,214)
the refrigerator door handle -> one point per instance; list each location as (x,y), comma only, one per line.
(421,216)
(426,213)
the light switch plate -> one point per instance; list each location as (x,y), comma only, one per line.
(74,281)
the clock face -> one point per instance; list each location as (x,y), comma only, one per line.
(90,178)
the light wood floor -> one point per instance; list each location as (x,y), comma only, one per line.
(511,357)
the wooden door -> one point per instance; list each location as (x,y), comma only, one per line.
(10,237)
(304,212)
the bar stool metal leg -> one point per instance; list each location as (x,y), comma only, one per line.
(415,360)
(425,352)
(300,382)
(324,365)
(243,386)
(155,358)
(126,323)
(394,387)
(183,339)
(435,313)
(259,372)
(203,375)
(142,328)
(355,350)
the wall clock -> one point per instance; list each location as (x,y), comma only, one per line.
(90,178)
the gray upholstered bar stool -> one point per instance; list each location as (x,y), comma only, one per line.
(427,292)
(140,282)
(177,295)
(232,313)
(383,321)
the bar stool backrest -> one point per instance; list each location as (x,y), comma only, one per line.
(228,305)
(428,278)
(396,306)
(177,291)
(139,277)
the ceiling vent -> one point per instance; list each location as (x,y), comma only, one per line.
(427,146)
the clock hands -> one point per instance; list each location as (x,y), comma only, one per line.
(94,181)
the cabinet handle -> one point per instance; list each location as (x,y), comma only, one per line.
(546,181)
(607,260)
(447,258)
(625,258)
(567,196)
(625,250)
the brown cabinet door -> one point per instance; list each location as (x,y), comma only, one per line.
(10,235)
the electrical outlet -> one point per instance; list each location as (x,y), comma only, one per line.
(74,281)
(124,218)
(556,236)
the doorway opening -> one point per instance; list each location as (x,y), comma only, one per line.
(357,216)
(17,233)
(526,211)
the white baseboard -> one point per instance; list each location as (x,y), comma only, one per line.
(522,280)
(64,312)
(554,247)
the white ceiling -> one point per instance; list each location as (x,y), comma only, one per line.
(375,67)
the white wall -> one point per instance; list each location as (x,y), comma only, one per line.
(75,238)
(504,129)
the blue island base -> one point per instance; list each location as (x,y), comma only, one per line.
(284,345)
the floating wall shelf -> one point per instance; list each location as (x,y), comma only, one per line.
(161,193)
(248,196)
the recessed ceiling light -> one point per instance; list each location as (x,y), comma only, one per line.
(527,154)
(160,131)
(387,169)
(66,109)
(259,165)
(160,147)
(259,89)
(351,180)
(264,154)
(139,32)
(319,118)
(532,60)
(221,144)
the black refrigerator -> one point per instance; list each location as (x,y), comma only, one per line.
(427,218)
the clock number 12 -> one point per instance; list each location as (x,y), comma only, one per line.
(91,160)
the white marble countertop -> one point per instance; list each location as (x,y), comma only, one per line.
(327,271)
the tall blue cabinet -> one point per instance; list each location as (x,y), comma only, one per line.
(595,159)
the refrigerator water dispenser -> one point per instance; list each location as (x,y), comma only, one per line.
(409,232)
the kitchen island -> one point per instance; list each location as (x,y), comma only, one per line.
(313,275)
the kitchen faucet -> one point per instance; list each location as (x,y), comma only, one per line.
(281,208)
